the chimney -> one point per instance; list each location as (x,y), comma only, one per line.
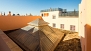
(50,9)
(9,13)
(4,13)
(1,14)
(26,14)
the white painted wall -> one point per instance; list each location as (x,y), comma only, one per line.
(49,18)
(82,19)
(67,21)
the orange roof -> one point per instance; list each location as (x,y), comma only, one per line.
(15,22)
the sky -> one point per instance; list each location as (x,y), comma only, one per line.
(35,6)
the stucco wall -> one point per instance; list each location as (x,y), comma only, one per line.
(82,23)
(15,22)
(85,18)
(67,21)
(88,22)
(51,13)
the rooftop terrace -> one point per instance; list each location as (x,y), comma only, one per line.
(51,9)
(69,13)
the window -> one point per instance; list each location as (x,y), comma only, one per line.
(62,26)
(41,14)
(54,25)
(72,27)
(46,14)
(54,17)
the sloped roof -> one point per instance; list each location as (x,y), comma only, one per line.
(36,23)
(44,39)
(15,22)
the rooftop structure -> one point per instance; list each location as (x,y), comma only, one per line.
(62,12)
(69,13)
(37,36)
(10,14)
(62,19)
(52,9)
(33,33)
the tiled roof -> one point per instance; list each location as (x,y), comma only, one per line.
(15,22)
(36,23)
(45,39)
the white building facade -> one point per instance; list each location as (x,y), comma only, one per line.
(61,22)
(85,24)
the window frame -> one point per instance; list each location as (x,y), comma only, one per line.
(46,14)
(53,17)
(54,25)
(62,26)
(42,15)
(72,27)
